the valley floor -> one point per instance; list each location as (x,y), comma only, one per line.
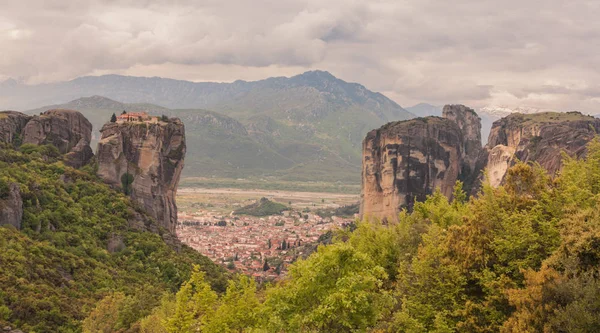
(243,243)
(271,185)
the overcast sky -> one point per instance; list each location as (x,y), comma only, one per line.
(477,52)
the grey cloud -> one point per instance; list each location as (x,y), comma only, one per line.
(514,51)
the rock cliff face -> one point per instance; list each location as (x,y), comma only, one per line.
(470,125)
(539,137)
(405,161)
(12,124)
(11,206)
(145,160)
(67,130)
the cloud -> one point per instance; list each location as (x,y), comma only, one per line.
(476,52)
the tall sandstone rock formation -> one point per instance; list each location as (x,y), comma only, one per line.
(152,154)
(12,124)
(69,131)
(470,125)
(405,161)
(539,137)
(11,206)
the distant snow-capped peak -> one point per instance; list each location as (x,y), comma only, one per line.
(503,111)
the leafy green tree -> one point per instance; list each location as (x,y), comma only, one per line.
(156,322)
(194,306)
(431,286)
(105,316)
(126,182)
(238,308)
(337,289)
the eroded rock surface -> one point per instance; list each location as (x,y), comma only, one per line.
(11,206)
(152,154)
(405,161)
(67,130)
(12,124)
(540,137)
(470,125)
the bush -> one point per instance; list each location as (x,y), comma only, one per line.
(4,188)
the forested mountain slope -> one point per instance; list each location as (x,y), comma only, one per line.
(306,127)
(80,241)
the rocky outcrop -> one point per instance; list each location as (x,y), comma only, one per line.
(145,160)
(470,125)
(498,161)
(11,206)
(540,137)
(67,130)
(12,124)
(405,161)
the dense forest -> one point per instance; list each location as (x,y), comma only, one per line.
(523,257)
(81,241)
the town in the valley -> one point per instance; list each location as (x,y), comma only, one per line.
(260,246)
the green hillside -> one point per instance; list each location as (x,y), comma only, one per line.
(79,242)
(263,207)
(306,127)
(222,147)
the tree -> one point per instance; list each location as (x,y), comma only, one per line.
(337,289)
(126,181)
(431,285)
(155,322)
(269,243)
(238,308)
(113,118)
(124,112)
(266,266)
(104,318)
(194,306)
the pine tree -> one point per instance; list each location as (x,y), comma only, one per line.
(266,266)
(113,118)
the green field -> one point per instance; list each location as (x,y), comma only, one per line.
(269,184)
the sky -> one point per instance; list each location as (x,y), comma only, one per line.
(534,53)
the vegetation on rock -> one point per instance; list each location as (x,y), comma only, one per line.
(55,270)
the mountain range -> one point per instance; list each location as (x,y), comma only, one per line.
(307,127)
